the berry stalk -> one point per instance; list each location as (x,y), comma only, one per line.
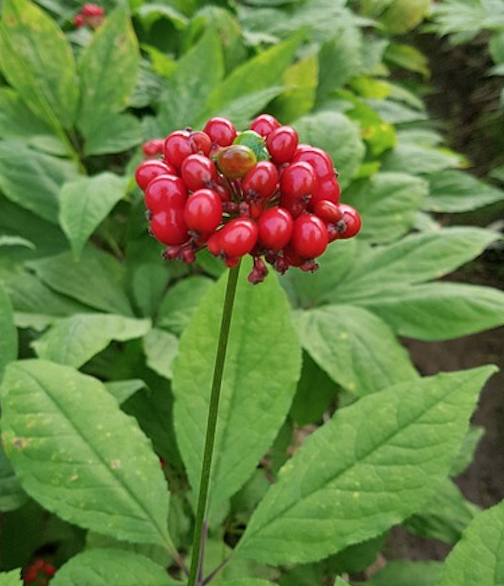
(206,467)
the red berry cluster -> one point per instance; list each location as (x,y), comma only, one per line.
(255,192)
(91,15)
(38,573)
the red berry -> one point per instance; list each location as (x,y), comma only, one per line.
(275,228)
(92,10)
(203,142)
(256,209)
(153,147)
(169,227)
(295,206)
(165,192)
(198,171)
(318,159)
(328,211)
(49,570)
(264,125)
(236,239)
(352,221)
(79,20)
(148,170)
(203,211)
(178,146)
(282,144)
(292,258)
(309,236)
(261,181)
(298,180)
(221,131)
(236,161)
(30,575)
(328,189)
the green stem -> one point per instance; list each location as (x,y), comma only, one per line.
(213,409)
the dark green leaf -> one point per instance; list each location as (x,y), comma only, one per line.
(356,349)
(79,456)
(262,368)
(12,495)
(401,572)
(118,133)
(371,466)
(38,61)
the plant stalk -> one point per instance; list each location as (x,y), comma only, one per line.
(206,467)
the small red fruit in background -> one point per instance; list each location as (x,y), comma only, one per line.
(221,131)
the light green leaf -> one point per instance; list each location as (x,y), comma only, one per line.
(438,311)
(388,204)
(395,112)
(373,465)
(414,259)
(8,337)
(257,74)
(85,203)
(75,340)
(150,13)
(108,69)
(247,582)
(419,160)
(467,450)
(356,349)
(454,191)
(478,559)
(111,567)
(408,57)
(339,136)
(308,290)
(444,516)
(180,302)
(401,572)
(31,43)
(11,578)
(160,349)
(79,456)
(12,495)
(197,74)
(17,121)
(262,368)
(155,553)
(116,134)
(148,283)
(122,390)
(96,279)
(33,180)
(16,241)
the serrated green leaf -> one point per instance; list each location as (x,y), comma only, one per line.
(160,349)
(356,349)
(260,73)
(388,204)
(112,567)
(9,337)
(262,368)
(118,133)
(180,302)
(419,160)
(339,136)
(108,69)
(438,311)
(454,191)
(478,559)
(85,203)
(444,516)
(155,553)
(33,180)
(17,121)
(12,496)
(197,74)
(371,466)
(11,578)
(79,456)
(75,340)
(401,572)
(31,43)
(414,259)
(95,280)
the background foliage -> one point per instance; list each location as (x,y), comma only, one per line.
(106,352)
